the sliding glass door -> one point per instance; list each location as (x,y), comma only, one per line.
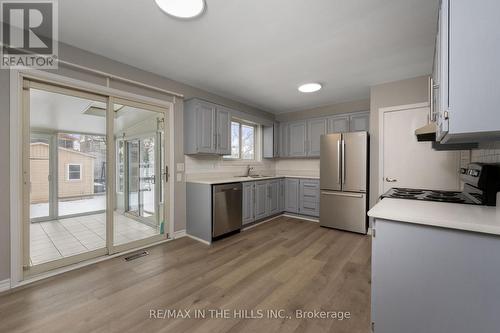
(85,198)
(139,135)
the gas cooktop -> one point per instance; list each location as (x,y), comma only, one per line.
(431,195)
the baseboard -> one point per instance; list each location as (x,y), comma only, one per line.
(4,285)
(301,217)
(259,223)
(179,234)
(369,232)
(198,239)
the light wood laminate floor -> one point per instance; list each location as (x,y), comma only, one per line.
(282,264)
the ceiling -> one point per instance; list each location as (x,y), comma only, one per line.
(258,52)
(63,113)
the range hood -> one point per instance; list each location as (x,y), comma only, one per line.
(427,132)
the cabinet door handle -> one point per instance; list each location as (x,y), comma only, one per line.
(390,180)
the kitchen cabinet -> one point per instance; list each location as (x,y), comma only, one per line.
(302,196)
(207,128)
(297,139)
(292,195)
(309,197)
(271,141)
(248,209)
(273,196)
(359,122)
(302,138)
(284,139)
(466,73)
(282,195)
(261,200)
(338,124)
(442,286)
(223,139)
(315,129)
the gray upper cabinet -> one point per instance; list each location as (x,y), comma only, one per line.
(315,129)
(223,141)
(261,200)
(292,195)
(297,133)
(466,91)
(271,141)
(338,124)
(284,141)
(248,202)
(359,122)
(207,128)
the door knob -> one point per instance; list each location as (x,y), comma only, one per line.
(391,180)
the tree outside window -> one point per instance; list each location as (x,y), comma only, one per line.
(242,141)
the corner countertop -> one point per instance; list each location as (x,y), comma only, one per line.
(474,218)
(236,179)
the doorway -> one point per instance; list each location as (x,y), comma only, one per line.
(74,145)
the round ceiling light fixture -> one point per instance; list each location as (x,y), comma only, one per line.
(310,87)
(183,9)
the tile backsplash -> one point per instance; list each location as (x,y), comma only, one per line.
(489,153)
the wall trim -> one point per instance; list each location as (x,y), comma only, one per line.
(4,285)
(179,234)
(198,239)
(301,217)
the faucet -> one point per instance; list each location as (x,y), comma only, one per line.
(249,168)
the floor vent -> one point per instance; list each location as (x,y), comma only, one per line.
(137,255)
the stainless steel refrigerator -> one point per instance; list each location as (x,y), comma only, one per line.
(343,181)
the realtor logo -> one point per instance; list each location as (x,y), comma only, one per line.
(29,34)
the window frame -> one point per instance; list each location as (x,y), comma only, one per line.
(255,131)
(67,172)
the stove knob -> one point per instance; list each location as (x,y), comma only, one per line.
(463,171)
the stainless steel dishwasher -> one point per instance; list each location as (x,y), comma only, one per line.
(226,208)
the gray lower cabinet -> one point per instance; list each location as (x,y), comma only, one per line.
(207,128)
(273,196)
(261,200)
(248,211)
(292,195)
(302,196)
(309,197)
(433,280)
(282,195)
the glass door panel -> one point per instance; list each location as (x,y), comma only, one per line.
(67,198)
(40,175)
(137,217)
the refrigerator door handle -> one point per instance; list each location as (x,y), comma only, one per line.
(343,161)
(339,175)
(343,194)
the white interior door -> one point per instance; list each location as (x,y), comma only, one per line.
(409,163)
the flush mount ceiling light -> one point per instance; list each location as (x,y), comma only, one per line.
(310,87)
(184,9)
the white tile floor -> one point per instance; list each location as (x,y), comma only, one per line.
(57,239)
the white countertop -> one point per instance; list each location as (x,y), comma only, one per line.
(234,179)
(473,218)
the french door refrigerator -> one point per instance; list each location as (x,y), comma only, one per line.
(343,181)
